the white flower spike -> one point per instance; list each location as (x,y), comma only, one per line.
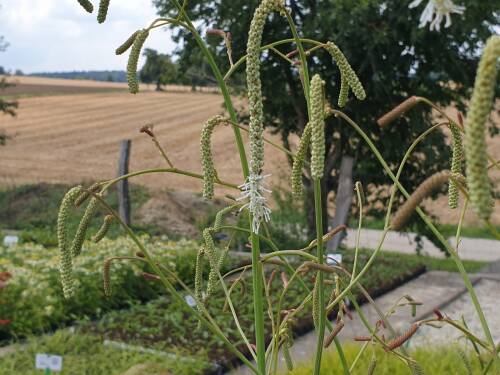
(435,11)
(253,190)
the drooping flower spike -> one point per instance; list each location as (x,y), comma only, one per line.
(475,143)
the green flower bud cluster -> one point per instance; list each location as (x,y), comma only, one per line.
(87,5)
(106,224)
(65,256)
(207,162)
(348,76)
(127,44)
(213,260)
(219,217)
(254,85)
(317,127)
(475,143)
(456,165)
(315,301)
(133,83)
(76,246)
(84,195)
(103,11)
(298,161)
(198,276)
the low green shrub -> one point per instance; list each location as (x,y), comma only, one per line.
(165,323)
(32,299)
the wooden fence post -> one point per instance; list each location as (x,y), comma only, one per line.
(122,188)
(343,201)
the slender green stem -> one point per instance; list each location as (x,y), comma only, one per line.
(318,210)
(207,321)
(431,226)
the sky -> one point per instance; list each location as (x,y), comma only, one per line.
(59,35)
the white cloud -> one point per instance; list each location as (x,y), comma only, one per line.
(58,35)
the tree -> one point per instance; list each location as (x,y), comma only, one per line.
(393,58)
(6,106)
(158,69)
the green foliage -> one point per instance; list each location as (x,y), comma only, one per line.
(158,69)
(33,298)
(164,323)
(86,354)
(32,209)
(435,361)
(392,57)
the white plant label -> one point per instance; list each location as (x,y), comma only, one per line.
(333,259)
(190,300)
(47,361)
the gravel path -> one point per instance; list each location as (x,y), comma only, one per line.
(470,248)
(434,289)
(488,293)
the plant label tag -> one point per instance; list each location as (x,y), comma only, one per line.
(47,361)
(333,259)
(190,300)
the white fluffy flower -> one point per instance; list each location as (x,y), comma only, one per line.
(253,190)
(435,11)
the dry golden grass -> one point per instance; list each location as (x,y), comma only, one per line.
(67,139)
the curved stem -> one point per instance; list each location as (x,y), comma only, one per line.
(431,226)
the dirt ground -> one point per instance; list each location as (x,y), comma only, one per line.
(74,138)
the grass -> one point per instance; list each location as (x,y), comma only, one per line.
(32,209)
(86,354)
(435,361)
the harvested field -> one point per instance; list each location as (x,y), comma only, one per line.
(72,138)
(26,86)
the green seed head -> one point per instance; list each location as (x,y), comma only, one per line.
(87,5)
(65,257)
(315,301)
(103,11)
(344,91)
(475,144)
(209,172)
(76,246)
(298,162)
(127,44)
(317,127)
(219,217)
(456,166)
(346,72)
(254,84)
(133,59)
(106,224)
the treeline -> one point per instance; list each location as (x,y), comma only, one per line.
(96,75)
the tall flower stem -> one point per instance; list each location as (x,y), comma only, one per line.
(258,289)
(430,225)
(320,285)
